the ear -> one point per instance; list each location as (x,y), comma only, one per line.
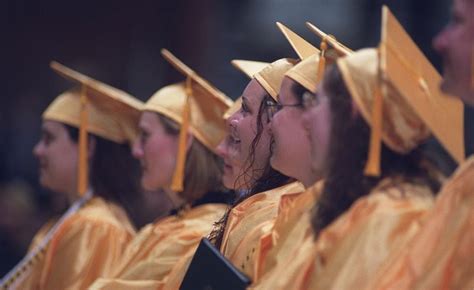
(91,147)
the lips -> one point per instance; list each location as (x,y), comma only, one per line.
(227,167)
(42,165)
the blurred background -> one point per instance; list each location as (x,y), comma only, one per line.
(119,42)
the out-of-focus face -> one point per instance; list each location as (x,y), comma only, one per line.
(455,43)
(232,165)
(291,146)
(243,130)
(156,149)
(57,154)
(317,121)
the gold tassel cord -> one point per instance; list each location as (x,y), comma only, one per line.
(322,60)
(83,167)
(178,177)
(372,167)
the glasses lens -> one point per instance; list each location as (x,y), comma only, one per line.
(309,100)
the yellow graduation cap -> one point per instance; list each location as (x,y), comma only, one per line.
(341,49)
(94,108)
(305,74)
(248,67)
(197,106)
(268,75)
(396,90)
(404,65)
(303,48)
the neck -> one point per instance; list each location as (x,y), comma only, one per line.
(73,195)
(175,199)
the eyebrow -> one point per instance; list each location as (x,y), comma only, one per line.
(298,90)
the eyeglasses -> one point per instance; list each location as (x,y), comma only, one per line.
(309,100)
(273,107)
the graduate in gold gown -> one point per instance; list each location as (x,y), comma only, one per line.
(181,125)
(88,240)
(293,223)
(253,214)
(441,255)
(372,202)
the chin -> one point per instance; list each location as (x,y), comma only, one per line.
(146,184)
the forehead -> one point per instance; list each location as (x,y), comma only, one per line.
(149,118)
(254,92)
(53,126)
(465,7)
(290,89)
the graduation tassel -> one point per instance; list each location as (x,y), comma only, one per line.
(178,177)
(322,60)
(372,167)
(83,167)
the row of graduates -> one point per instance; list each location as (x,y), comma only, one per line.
(324,154)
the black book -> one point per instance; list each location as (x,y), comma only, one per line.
(210,270)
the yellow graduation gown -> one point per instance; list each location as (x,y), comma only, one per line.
(268,203)
(248,222)
(441,255)
(160,247)
(353,247)
(292,227)
(86,246)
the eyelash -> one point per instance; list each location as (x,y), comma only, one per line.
(143,135)
(47,139)
(244,108)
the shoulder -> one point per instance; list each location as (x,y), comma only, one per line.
(98,212)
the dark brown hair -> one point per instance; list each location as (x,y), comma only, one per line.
(345,181)
(114,173)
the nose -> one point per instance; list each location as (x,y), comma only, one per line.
(221,147)
(235,117)
(38,149)
(440,41)
(137,149)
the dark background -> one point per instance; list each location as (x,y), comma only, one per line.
(119,43)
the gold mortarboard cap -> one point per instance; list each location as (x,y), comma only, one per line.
(95,108)
(341,49)
(248,67)
(269,76)
(113,114)
(405,67)
(196,105)
(302,47)
(400,99)
(306,73)
(303,73)
(309,72)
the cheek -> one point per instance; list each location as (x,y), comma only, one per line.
(246,133)
(156,151)
(323,130)
(294,128)
(262,151)
(62,162)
